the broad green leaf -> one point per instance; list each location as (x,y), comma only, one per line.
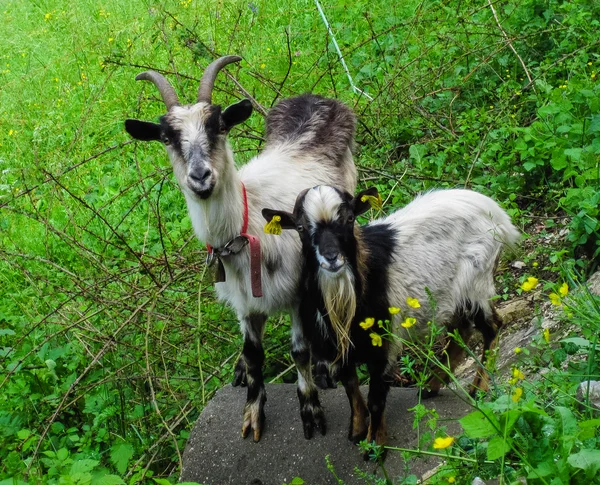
(108,480)
(479,425)
(62,454)
(529,166)
(568,425)
(120,454)
(162,481)
(417,152)
(83,466)
(23,434)
(542,470)
(497,447)
(296,481)
(587,460)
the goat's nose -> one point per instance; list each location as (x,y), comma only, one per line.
(331,256)
(200,175)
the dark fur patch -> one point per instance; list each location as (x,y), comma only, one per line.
(272,265)
(326,125)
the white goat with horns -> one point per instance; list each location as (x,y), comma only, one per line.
(309,140)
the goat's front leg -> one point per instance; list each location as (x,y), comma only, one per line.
(358,410)
(253,357)
(378,391)
(311,411)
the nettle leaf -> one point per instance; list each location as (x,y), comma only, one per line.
(587,460)
(417,152)
(120,454)
(497,447)
(479,425)
(569,428)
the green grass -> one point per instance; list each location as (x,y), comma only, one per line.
(110,344)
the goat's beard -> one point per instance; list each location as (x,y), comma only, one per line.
(339,296)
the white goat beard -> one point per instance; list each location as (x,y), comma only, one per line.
(339,296)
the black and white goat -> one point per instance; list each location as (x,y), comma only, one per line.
(443,247)
(309,140)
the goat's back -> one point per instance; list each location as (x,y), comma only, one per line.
(448,241)
(315,124)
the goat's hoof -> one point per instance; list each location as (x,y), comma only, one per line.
(428,394)
(313,418)
(254,418)
(357,438)
(239,374)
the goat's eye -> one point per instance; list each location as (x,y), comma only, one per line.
(299,228)
(166,141)
(350,219)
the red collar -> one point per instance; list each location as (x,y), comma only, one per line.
(253,241)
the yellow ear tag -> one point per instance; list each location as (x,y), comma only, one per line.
(274,226)
(375,202)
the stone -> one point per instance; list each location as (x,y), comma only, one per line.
(514,310)
(594,283)
(594,390)
(216,454)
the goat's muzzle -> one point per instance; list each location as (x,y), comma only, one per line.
(201,181)
(333,264)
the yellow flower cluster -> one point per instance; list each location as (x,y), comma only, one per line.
(517,375)
(413,302)
(517,394)
(409,322)
(443,443)
(376,339)
(529,284)
(556,299)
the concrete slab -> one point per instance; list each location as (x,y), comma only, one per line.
(217,455)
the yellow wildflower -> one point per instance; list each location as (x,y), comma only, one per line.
(262,66)
(547,335)
(47,17)
(393,310)
(535,264)
(451,479)
(413,302)
(376,340)
(518,350)
(517,394)
(513,381)
(564,290)
(409,322)
(443,443)
(529,284)
(554,299)
(368,323)
(517,374)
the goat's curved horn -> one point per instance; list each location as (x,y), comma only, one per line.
(164,87)
(210,74)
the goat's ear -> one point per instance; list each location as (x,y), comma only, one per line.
(143,130)
(236,113)
(363,201)
(288,221)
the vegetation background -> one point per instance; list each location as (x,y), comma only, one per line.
(110,345)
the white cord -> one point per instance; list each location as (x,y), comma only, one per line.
(337,48)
